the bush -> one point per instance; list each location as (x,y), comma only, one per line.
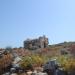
(67,63)
(33,60)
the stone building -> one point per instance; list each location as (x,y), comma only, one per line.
(41,42)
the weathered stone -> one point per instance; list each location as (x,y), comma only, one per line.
(41,42)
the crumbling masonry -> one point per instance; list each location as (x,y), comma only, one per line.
(41,42)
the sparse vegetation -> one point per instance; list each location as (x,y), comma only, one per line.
(30,59)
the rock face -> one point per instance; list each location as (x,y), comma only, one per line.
(41,42)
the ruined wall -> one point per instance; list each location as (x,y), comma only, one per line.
(41,42)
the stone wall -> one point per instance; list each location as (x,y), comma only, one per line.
(41,42)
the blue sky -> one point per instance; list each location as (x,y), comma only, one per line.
(22,19)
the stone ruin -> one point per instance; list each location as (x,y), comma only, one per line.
(41,42)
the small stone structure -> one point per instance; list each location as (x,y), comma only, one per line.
(41,42)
